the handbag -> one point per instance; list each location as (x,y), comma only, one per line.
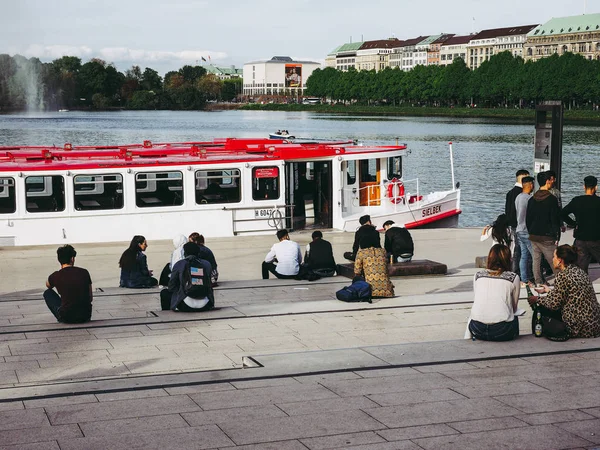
(554,329)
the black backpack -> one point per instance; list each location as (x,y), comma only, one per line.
(358,291)
(196,280)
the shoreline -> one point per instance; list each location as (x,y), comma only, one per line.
(580,117)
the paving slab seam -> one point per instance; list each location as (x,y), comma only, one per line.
(207,319)
(229,371)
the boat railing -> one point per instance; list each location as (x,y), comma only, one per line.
(410,197)
(276,219)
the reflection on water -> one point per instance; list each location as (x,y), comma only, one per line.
(487,152)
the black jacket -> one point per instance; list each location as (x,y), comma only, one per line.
(364,230)
(543,216)
(509,207)
(320,255)
(398,241)
(586,209)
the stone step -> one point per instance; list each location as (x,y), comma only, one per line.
(414,268)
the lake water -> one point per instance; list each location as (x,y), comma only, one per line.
(487,153)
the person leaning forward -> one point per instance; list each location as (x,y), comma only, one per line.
(365,228)
(288,256)
(73,303)
(586,209)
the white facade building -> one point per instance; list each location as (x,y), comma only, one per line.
(454,48)
(280,75)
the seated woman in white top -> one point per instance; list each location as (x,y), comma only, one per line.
(496,298)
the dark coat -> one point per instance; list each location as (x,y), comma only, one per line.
(543,216)
(398,241)
(138,276)
(320,255)
(509,207)
(176,282)
(364,230)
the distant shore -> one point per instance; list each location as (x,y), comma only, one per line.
(515,115)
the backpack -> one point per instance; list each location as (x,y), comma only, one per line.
(196,280)
(358,291)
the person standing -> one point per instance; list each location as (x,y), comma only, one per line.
(586,209)
(365,227)
(398,242)
(522,234)
(73,303)
(319,256)
(543,224)
(511,215)
(288,255)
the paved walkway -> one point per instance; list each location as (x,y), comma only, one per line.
(283,365)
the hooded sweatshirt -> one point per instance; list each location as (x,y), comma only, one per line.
(543,217)
(177,255)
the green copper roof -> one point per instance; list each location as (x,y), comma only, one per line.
(430,39)
(349,47)
(566,25)
(223,70)
(335,50)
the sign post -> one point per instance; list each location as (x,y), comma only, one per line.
(548,138)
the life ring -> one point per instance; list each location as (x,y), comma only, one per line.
(395,191)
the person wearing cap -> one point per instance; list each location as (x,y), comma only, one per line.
(586,209)
(365,227)
(398,242)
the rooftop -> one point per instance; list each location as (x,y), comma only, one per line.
(223,70)
(430,39)
(443,38)
(382,43)
(414,41)
(456,40)
(507,31)
(281,60)
(567,25)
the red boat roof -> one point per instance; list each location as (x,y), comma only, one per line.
(69,157)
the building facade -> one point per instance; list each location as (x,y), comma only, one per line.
(487,43)
(454,48)
(280,75)
(224,73)
(374,55)
(344,56)
(434,53)
(575,34)
(403,56)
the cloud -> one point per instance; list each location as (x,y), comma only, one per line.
(119,54)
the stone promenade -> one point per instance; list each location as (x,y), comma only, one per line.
(282,364)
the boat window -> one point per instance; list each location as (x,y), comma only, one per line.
(265,183)
(350,172)
(155,189)
(97,192)
(368,170)
(218,186)
(8,199)
(394,168)
(45,193)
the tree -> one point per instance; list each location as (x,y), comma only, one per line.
(210,86)
(151,80)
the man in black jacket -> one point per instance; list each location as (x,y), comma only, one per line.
(511,216)
(319,256)
(586,209)
(543,224)
(365,228)
(398,242)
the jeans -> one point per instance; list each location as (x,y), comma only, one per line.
(54,302)
(526,255)
(272,267)
(547,249)
(502,331)
(587,249)
(516,257)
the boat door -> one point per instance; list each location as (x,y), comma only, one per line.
(309,191)
(369,186)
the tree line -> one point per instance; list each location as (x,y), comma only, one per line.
(503,81)
(67,83)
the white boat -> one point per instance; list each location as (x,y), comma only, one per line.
(226,187)
(63,110)
(281,135)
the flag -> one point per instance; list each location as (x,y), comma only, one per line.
(209,57)
(203,58)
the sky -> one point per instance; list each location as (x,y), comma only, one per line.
(167,34)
